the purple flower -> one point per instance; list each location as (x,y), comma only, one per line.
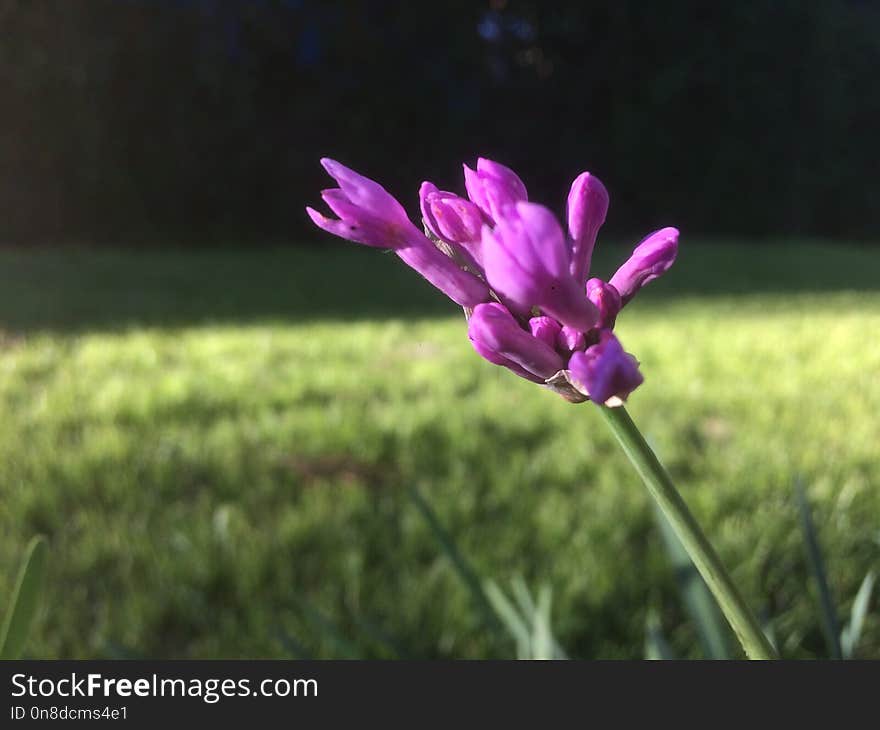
(527,264)
(587,208)
(455,221)
(499,338)
(369,214)
(604,372)
(652,257)
(493,187)
(549,323)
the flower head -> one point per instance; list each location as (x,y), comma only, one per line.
(522,280)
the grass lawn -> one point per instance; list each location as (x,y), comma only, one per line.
(220,447)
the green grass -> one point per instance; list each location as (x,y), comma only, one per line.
(219,446)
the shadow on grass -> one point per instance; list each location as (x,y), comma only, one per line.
(76,289)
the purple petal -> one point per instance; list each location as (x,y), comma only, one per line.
(570,340)
(474,186)
(455,220)
(604,371)
(460,286)
(653,256)
(365,193)
(526,263)
(545,329)
(536,225)
(607,301)
(341,229)
(360,224)
(368,214)
(493,329)
(359,230)
(587,208)
(497,359)
(492,187)
(504,175)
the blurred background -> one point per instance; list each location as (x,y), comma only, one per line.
(244,438)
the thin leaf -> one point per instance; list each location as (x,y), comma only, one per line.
(656,645)
(24,599)
(542,636)
(511,618)
(853,632)
(523,597)
(768,626)
(462,568)
(830,622)
(532,633)
(699,603)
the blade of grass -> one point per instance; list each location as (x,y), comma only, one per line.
(542,636)
(695,595)
(523,597)
(24,599)
(830,622)
(656,645)
(853,632)
(511,618)
(462,568)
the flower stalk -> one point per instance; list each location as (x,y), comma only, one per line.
(700,550)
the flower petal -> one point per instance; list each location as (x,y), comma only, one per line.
(504,175)
(460,286)
(494,329)
(365,193)
(652,257)
(453,220)
(492,187)
(351,230)
(607,301)
(545,329)
(604,371)
(526,263)
(587,208)
(570,340)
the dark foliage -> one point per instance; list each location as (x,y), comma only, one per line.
(202,119)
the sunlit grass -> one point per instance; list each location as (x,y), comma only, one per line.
(207,487)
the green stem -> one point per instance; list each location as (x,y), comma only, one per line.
(659,484)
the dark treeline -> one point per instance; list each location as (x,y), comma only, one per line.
(126,120)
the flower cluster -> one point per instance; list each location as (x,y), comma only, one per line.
(523,281)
